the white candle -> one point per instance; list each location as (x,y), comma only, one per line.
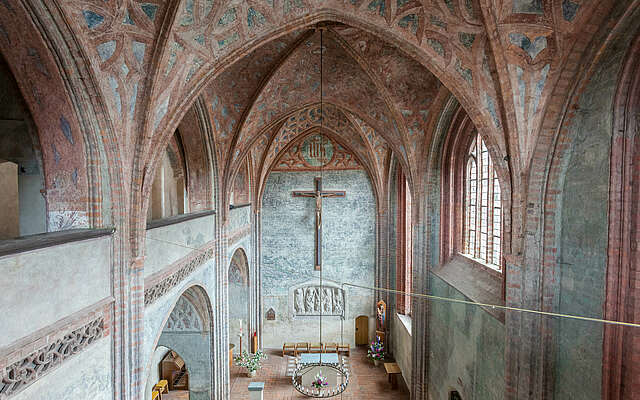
(240,323)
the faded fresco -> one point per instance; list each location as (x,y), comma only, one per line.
(289,283)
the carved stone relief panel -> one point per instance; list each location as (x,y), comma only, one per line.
(312,299)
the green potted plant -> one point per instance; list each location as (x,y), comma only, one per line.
(376,351)
(252,362)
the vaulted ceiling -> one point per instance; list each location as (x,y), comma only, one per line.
(390,67)
(375,99)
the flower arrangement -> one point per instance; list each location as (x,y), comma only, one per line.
(376,350)
(319,381)
(252,362)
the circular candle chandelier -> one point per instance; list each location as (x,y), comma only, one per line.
(320,392)
(318,386)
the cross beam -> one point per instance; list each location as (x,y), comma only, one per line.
(318,194)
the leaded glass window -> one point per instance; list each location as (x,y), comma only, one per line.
(482,207)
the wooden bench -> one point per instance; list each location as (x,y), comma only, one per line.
(393,371)
(330,347)
(301,348)
(288,347)
(315,348)
(344,348)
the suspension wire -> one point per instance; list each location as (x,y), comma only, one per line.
(321,179)
(449,299)
(494,306)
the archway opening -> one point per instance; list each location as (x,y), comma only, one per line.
(168,193)
(21,172)
(239,326)
(183,356)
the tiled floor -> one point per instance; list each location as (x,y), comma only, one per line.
(366,381)
(176,395)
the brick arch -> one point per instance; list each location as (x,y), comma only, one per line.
(198,297)
(55,79)
(200,155)
(621,373)
(417,49)
(539,216)
(78,143)
(196,127)
(348,112)
(445,168)
(371,172)
(481,117)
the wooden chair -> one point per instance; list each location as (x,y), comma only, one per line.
(155,395)
(331,347)
(315,348)
(301,347)
(344,348)
(162,387)
(288,347)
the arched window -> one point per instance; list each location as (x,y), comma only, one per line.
(168,192)
(404,257)
(482,208)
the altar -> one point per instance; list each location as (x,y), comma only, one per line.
(325,358)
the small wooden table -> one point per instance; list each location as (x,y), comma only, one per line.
(392,371)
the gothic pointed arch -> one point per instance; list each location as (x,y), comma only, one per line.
(188,330)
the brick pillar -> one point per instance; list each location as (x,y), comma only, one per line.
(422,233)
(221,316)
(420,317)
(136,302)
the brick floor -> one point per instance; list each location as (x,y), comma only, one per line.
(366,381)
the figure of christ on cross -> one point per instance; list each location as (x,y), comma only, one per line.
(319,194)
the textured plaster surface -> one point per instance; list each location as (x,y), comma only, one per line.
(165,245)
(194,348)
(401,345)
(30,289)
(238,303)
(156,313)
(154,371)
(466,348)
(288,251)
(87,375)
(238,218)
(582,249)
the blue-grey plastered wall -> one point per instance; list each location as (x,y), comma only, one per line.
(467,347)
(238,218)
(582,247)
(156,313)
(288,244)
(239,307)
(195,350)
(86,375)
(167,244)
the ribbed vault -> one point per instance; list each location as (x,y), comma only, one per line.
(378,101)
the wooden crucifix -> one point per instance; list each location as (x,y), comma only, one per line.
(319,194)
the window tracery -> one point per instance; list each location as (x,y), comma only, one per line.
(482,236)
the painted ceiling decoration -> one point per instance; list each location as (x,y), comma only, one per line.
(390,66)
(309,154)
